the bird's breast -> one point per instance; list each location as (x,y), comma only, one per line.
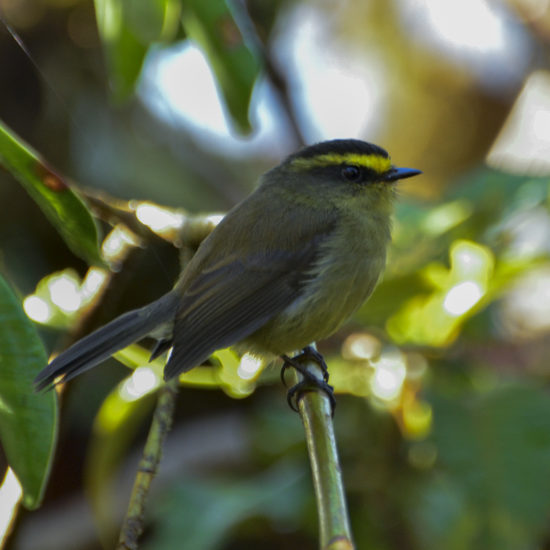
(344,275)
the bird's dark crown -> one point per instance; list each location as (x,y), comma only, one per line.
(339,152)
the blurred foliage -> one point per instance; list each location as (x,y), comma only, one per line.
(212,26)
(442,376)
(277,495)
(490,443)
(127,29)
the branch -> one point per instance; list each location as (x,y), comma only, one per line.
(316,412)
(132,526)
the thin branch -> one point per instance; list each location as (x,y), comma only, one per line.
(132,526)
(114,210)
(279,82)
(316,412)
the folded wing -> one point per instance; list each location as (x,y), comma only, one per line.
(230,301)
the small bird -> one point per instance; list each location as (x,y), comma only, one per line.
(284,268)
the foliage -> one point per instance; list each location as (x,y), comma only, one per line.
(442,417)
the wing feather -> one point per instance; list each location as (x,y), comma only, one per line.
(243,297)
(106,340)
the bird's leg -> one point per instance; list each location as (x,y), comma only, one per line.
(309,380)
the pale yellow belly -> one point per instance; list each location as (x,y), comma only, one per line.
(333,295)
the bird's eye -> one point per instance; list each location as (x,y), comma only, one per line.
(351,172)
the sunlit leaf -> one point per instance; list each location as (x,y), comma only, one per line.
(223,374)
(60,204)
(28,421)
(56,299)
(435,318)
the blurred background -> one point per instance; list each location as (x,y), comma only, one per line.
(443,418)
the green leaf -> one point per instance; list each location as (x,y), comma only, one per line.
(51,192)
(28,421)
(127,29)
(212,26)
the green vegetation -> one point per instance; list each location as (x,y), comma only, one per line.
(443,417)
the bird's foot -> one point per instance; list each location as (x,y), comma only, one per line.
(308,353)
(309,380)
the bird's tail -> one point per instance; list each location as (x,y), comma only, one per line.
(103,342)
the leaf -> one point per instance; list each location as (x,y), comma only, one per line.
(28,421)
(223,374)
(127,29)
(212,26)
(65,210)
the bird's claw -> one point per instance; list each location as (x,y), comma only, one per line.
(309,381)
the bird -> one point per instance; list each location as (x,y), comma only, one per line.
(285,267)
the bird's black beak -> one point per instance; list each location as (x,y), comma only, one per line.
(394,173)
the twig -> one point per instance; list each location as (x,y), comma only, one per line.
(316,412)
(279,81)
(132,526)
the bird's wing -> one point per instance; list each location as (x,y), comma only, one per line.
(230,299)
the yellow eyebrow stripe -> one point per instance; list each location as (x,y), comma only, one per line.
(377,163)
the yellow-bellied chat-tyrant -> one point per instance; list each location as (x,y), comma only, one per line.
(284,268)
